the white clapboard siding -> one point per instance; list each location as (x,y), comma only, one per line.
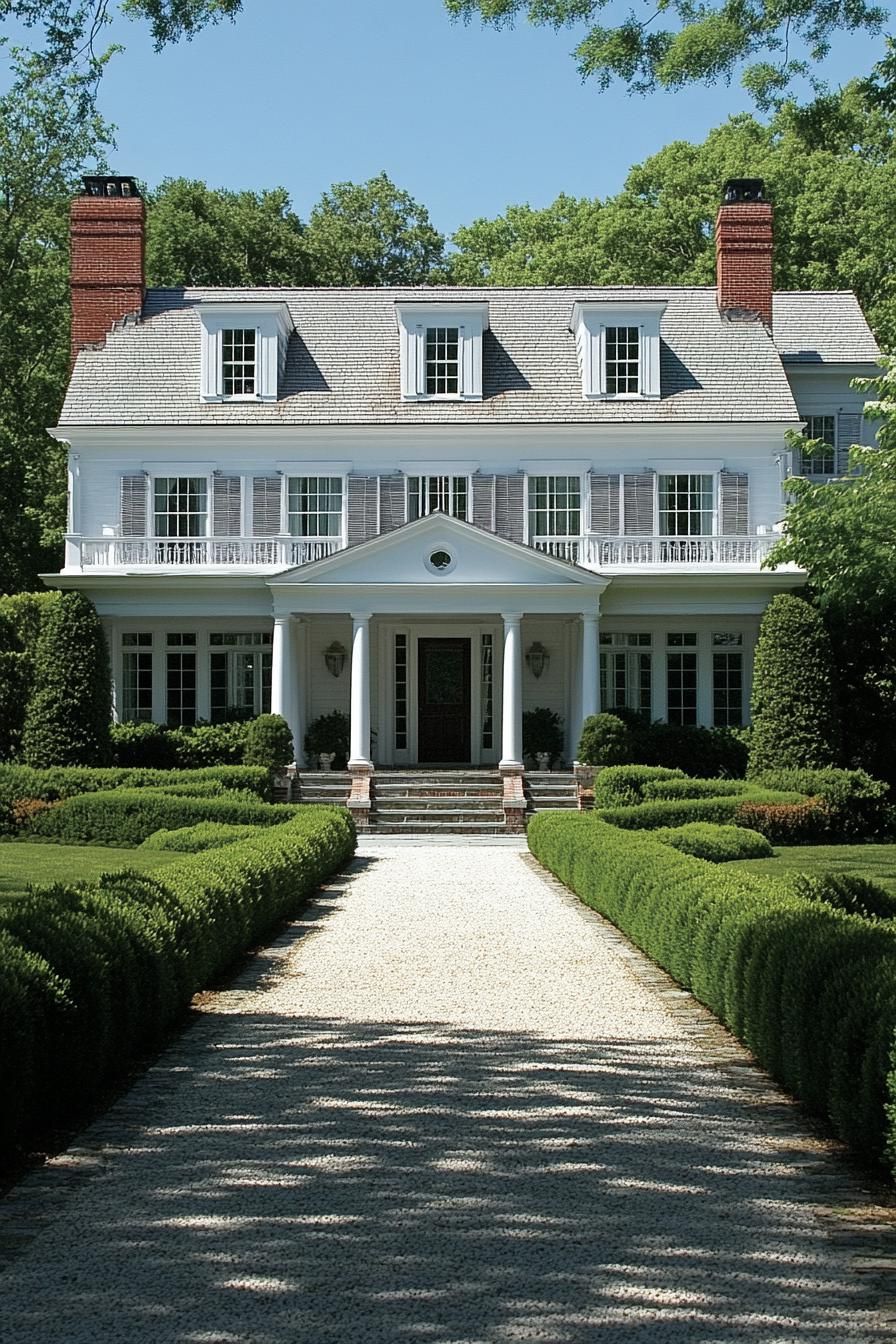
(509,499)
(392,502)
(133,505)
(605,504)
(483,511)
(363,508)
(266,493)
(638,503)
(227,506)
(734,489)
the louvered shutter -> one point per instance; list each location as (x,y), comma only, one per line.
(849,432)
(638,503)
(266,492)
(392,502)
(509,507)
(484,502)
(735,501)
(227,512)
(363,508)
(604,505)
(133,505)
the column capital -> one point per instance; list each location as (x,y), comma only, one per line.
(360,615)
(511,617)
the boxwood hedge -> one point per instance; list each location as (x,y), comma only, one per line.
(128,816)
(621,785)
(716,844)
(204,835)
(811,990)
(92,973)
(648,816)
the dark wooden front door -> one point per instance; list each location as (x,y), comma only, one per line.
(443,705)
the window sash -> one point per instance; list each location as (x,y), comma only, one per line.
(180,506)
(136,685)
(555,506)
(314,507)
(239,361)
(681,688)
(686,505)
(727,690)
(239,679)
(622,361)
(626,680)
(822,459)
(438,494)
(180,688)
(442,375)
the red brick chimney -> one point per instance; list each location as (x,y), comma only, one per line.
(107,241)
(744,250)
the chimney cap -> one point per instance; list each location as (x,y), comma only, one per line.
(743,190)
(110,186)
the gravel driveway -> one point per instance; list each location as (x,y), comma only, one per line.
(450,1105)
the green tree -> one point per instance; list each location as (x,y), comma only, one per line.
(701,43)
(197,235)
(68,714)
(560,245)
(842,534)
(373,233)
(794,705)
(46,141)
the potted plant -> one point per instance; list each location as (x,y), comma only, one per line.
(543,736)
(328,736)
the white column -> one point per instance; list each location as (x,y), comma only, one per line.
(299,696)
(283,672)
(512,714)
(590,665)
(359,754)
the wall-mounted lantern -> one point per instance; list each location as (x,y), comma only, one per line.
(334,657)
(537,659)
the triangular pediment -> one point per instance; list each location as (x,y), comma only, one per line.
(440,550)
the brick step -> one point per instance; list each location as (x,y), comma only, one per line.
(425,791)
(550,804)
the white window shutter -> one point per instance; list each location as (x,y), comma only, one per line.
(735,503)
(210,382)
(638,503)
(227,510)
(848,432)
(392,502)
(133,505)
(464,373)
(509,501)
(363,508)
(604,505)
(484,501)
(266,496)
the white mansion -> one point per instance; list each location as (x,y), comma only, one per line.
(436,508)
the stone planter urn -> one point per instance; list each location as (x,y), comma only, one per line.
(544,760)
(326,759)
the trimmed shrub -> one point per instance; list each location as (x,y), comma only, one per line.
(90,974)
(269,742)
(855,895)
(329,733)
(23,781)
(716,844)
(67,719)
(194,839)
(679,811)
(810,990)
(142,744)
(542,732)
(793,706)
(693,788)
(128,816)
(620,785)
(858,805)
(703,752)
(198,746)
(605,740)
(803,823)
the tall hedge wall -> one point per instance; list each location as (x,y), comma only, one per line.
(70,707)
(810,990)
(794,699)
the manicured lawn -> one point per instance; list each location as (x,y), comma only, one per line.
(21,864)
(877,863)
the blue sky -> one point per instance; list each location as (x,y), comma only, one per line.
(299,93)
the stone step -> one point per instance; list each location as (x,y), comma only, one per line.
(449,828)
(438,803)
(441,816)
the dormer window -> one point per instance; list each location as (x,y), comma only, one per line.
(618,345)
(243,350)
(441,350)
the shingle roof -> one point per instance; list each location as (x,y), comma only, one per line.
(343,362)
(822,327)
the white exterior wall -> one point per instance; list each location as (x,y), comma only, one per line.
(826,391)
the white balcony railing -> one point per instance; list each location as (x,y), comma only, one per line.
(196,552)
(621,552)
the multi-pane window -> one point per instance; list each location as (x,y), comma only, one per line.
(181,506)
(180,679)
(401,692)
(239,675)
(625,672)
(727,680)
(238,360)
(136,678)
(487,692)
(442,361)
(686,505)
(622,360)
(437,494)
(681,678)
(821,458)
(315,506)
(555,506)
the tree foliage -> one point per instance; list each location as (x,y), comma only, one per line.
(771,41)
(68,714)
(372,233)
(794,701)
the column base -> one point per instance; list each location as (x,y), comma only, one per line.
(511,767)
(361,766)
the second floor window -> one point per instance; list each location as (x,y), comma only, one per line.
(238,355)
(821,459)
(442,361)
(181,506)
(686,505)
(623,360)
(555,506)
(437,494)
(315,506)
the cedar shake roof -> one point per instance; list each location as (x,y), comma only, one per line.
(342,366)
